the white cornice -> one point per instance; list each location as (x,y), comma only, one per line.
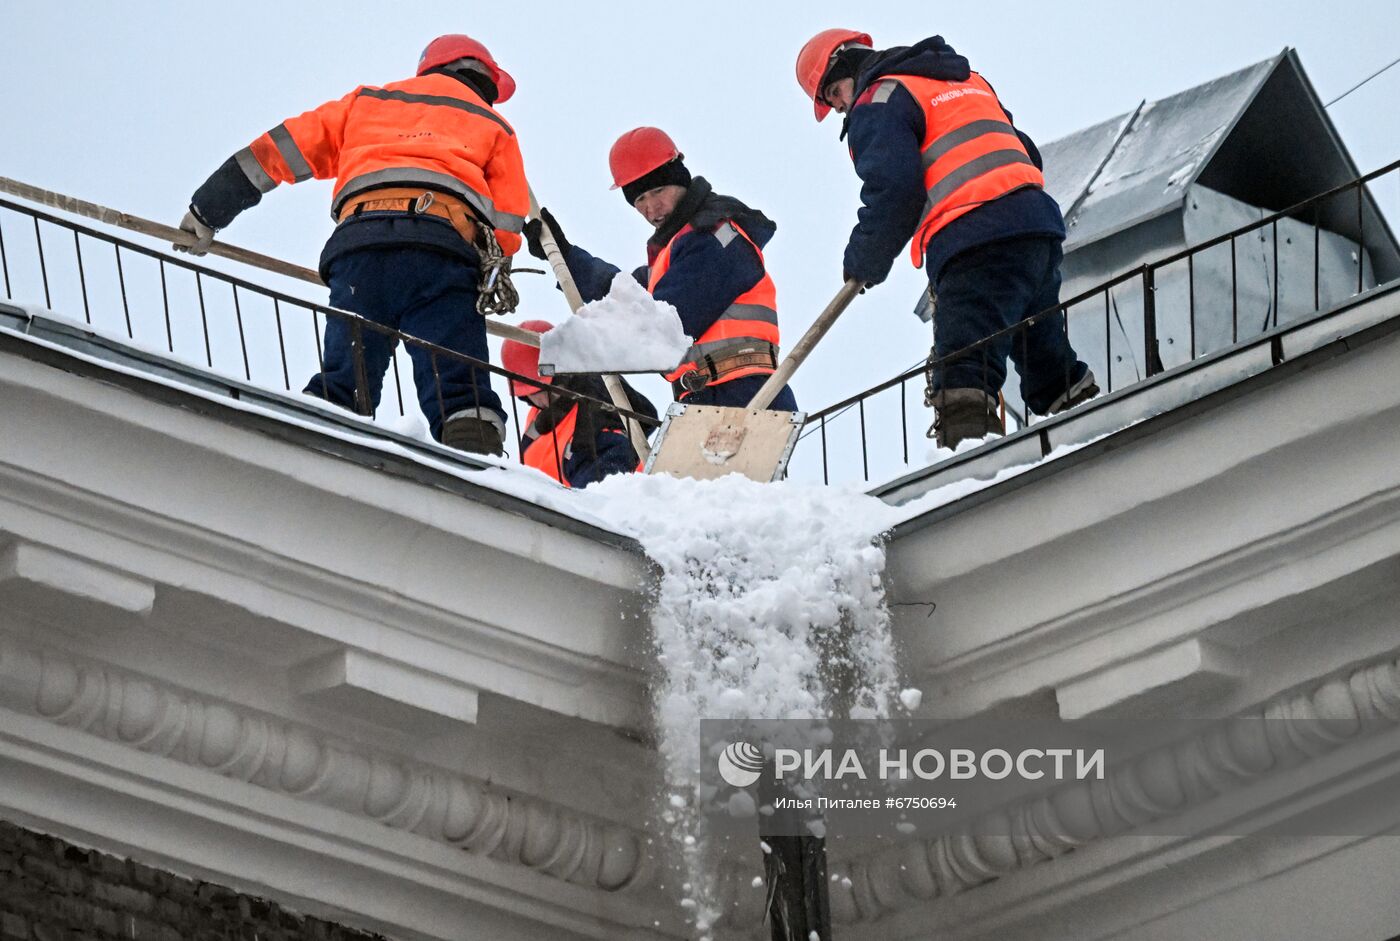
(502,603)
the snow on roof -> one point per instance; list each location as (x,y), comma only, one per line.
(1138,165)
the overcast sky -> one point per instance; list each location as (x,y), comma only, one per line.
(133,104)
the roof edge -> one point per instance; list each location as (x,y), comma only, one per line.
(55,352)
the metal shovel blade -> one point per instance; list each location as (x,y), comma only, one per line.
(704,442)
(548,369)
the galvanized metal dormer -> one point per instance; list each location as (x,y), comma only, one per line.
(1175,173)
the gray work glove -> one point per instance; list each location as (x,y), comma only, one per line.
(202,233)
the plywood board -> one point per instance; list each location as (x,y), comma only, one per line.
(704,442)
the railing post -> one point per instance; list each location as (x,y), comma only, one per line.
(82,276)
(43,268)
(1107,336)
(357,352)
(1360,238)
(1152,353)
(165,300)
(281,344)
(1277,301)
(320,352)
(121,281)
(5,262)
(1191,299)
(904,421)
(519,428)
(864,444)
(1317,261)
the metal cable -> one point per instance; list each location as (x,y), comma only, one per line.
(1353,88)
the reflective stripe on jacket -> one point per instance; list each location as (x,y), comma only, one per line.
(431,131)
(549,451)
(752,316)
(971,153)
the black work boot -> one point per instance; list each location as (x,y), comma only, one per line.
(960,414)
(1082,391)
(472,434)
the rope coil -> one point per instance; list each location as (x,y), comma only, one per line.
(497,294)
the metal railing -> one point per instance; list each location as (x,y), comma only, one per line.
(1212,321)
(153,298)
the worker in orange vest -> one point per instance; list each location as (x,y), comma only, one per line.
(943,168)
(577,441)
(705,259)
(428,176)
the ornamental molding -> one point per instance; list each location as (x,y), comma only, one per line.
(462,812)
(458,811)
(286,758)
(1162,783)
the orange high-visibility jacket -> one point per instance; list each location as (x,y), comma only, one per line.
(549,451)
(431,131)
(971,154)
(753,315)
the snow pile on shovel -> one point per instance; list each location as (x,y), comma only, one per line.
(627,331)
(757,582)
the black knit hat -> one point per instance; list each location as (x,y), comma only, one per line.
(482,83)
(477,79)
(672,172)
(847,65)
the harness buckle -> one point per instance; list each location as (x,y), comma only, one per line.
(694,381)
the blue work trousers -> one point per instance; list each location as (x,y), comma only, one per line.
(987,289)
(611,453)
(423,293)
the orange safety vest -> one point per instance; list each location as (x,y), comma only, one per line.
(971,154)
(430,131)
(550,450)
(753,315)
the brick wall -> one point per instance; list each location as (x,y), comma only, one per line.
(51,890)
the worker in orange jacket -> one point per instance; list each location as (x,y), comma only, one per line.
(943,168)
(427,176)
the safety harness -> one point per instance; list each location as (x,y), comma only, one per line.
(712,368)
(496,293)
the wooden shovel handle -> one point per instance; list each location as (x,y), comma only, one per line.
(804,346)
(612,383)
(125,220)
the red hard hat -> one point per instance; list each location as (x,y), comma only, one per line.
(638,152)
(815,59)
(525,359)
(455,46)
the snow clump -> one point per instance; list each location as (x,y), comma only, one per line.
(627,331)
